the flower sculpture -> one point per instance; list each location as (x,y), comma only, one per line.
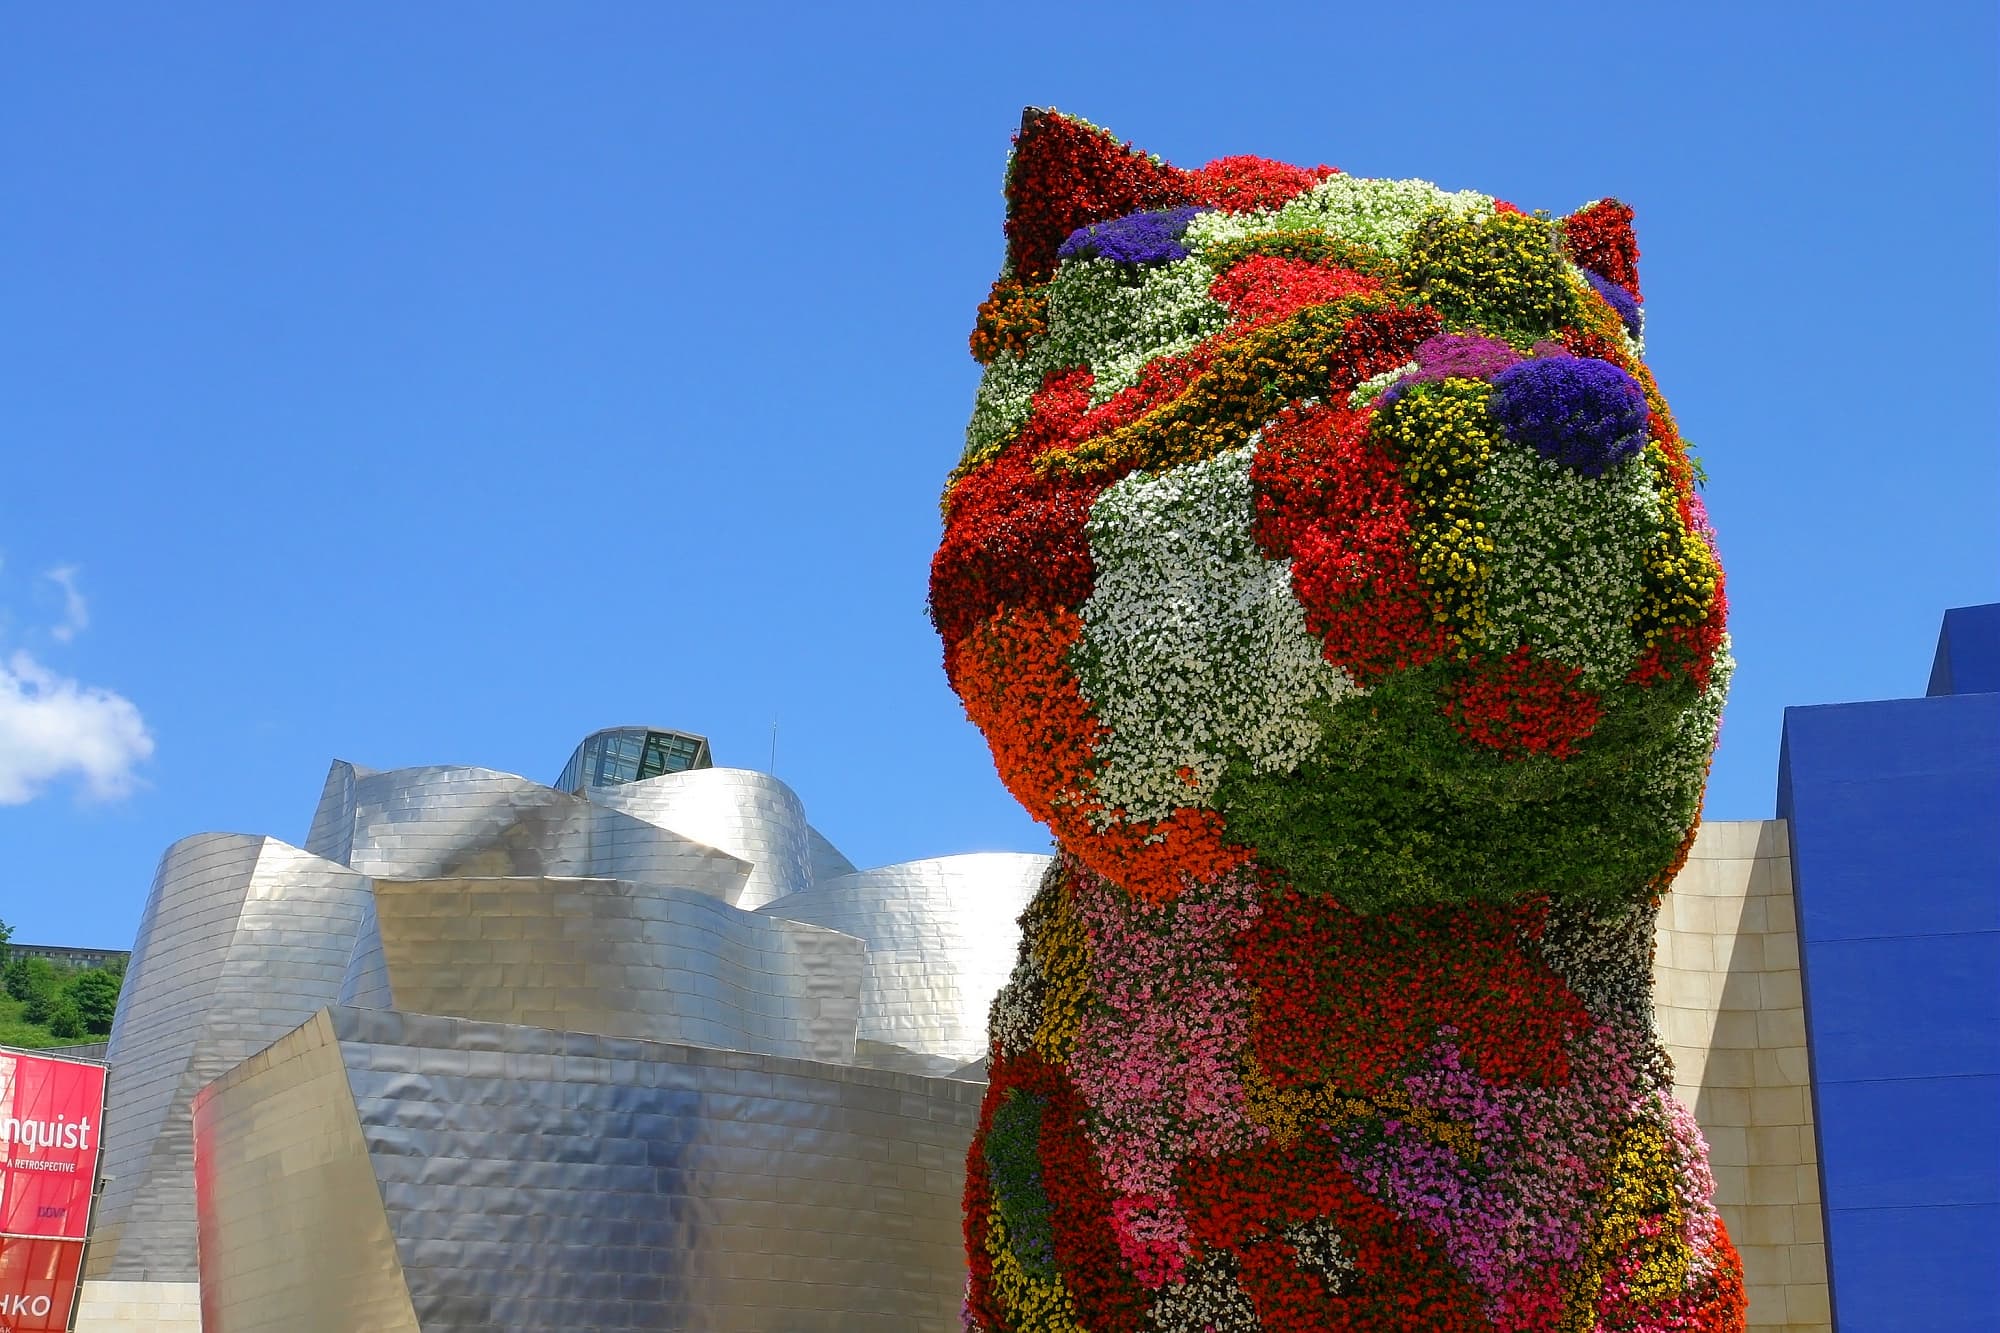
(1325,570)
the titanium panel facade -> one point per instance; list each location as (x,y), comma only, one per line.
(546,1180)
(751,816)
(609,957)
(287,1161)
(941,935)
(452,820)
(242,938)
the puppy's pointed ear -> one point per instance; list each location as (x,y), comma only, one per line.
(1066,173)
(1599,237)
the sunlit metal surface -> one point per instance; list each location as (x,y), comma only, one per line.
(752,816)
(826,860)
(527,913)
(242,938)
(610,957)
(941,938)
(416,823)
(529,1179)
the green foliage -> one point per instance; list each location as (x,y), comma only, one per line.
(1394,808)
(6,932)
(63,1021)
(47,1005)
(1013,1159)
(94,993)
(1310,247)
(1502,273)
(25,978)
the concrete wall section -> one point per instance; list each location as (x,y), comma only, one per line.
(139,1307)
(1894,811)
(1728,1007)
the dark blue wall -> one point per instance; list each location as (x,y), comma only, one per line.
(1894,811)
(1968,651)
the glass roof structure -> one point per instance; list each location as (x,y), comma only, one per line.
(619,755)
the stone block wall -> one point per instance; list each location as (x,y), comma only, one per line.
(1730,1012)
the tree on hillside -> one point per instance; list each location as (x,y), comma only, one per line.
(94,992)
(6,932)
(25,978)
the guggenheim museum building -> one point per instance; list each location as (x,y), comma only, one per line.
(644,1050)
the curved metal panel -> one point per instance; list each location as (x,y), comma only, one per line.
(541,1180)
(827,861)
(332,832)
(455,819)
(311,1181)
(417,823)
(241,939)
(609,957)
(941,937)
(749,815)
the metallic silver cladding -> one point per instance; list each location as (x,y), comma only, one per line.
(941,935)
(303,1192)
(540,1180)
(749,815)
(448,820)
(242,938)
(827,861)
(332,832)
(609,957)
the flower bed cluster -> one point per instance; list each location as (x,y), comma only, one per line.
(1326,570)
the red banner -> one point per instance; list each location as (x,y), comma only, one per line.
(51,1122)
(37,1283)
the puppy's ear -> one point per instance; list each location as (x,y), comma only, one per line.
(1066,173)
(1599,237)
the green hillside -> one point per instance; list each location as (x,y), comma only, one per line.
(42,1004)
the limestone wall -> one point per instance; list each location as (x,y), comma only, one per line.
(1727,997)
(139,1307)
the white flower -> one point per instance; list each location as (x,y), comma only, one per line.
(1000,408)
(1194,649)
(1372,388)
(1568,551)
(1106,316)
(1378,213)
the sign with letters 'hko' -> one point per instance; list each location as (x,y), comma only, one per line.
(51,1117)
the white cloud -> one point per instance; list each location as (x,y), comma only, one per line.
(76,611)
(53,727)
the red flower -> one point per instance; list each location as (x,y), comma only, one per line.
(1243,1204)
(1240,184)
(1522,705)
(1600,238)
(1067,175)
(1346,1001)
(1339,507)
(1264,288)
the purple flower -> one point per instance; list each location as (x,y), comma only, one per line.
(1577,410)
(1464,356)
(1142,238)
(1621,300)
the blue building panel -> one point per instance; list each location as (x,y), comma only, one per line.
(1893,1008)
(1943,1261)
(1968,651)
(1894,813)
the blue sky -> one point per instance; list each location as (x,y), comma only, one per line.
(437,383)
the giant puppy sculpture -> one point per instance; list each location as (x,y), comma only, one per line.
(1325,570)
